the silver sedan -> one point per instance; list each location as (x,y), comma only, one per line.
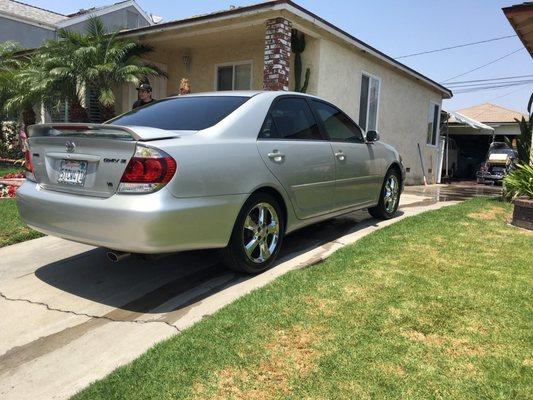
(230,170)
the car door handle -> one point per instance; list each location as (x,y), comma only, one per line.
(276,156)
(340,155)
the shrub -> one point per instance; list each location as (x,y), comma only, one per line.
(9,140)
(8,191)
(519,182)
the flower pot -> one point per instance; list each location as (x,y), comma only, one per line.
(523,213)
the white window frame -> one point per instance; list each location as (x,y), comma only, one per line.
(432,104)
(371,76)
(234,64)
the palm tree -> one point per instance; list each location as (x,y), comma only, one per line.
(62,64)
(525,140)
(99,61)
(31,79)
(16,98)
(7,49)
(62,70)
(8,66)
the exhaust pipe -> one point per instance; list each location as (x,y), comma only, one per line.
(116,256)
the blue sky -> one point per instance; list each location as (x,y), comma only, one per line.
(398,28)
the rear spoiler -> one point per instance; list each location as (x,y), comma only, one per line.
(142,133)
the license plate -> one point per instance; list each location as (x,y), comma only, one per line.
(72,172)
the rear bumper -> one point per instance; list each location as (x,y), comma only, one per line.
(150,223)
(489,176)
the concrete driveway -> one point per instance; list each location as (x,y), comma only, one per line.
(69,317)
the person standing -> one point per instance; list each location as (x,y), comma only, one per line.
(185,87)
(144,96)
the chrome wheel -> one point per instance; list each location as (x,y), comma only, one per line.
(391,193)
(261,233)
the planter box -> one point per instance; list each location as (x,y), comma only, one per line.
(523,213)
(12,182)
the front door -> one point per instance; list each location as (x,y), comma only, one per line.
(293,149)
(358,172)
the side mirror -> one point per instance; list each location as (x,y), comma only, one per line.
(372,136)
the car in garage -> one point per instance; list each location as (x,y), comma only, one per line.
(230,170)
(500,161)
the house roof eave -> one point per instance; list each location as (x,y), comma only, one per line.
(519,10)
(29,21)
(300,11)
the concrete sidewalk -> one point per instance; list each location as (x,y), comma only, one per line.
(69,317)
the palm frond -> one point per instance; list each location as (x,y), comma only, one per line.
(106,97)
(97,59)
(96,28)
(519,182)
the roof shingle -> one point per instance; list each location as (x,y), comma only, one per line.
(489,112)
(32,13)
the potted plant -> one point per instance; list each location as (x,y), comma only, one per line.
(519,189)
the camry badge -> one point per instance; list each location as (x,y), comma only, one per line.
(70,146)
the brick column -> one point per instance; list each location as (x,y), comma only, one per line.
(277,54)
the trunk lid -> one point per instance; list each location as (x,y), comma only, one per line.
(86,159)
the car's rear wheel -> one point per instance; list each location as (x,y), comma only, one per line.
(389,198)
(257,235)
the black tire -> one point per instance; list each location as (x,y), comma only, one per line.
(382,210)
(234,255)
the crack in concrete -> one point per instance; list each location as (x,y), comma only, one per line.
(103,317)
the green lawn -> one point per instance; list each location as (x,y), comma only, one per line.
(437,306)
(12,229)
(8,169)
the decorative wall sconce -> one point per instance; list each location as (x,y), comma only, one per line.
(186,58)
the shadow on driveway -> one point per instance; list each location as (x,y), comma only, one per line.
(177,280)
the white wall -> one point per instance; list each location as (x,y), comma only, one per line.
(403,102)
(506,129)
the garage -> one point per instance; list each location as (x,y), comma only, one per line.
(468,134)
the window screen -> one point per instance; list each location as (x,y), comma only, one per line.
(368,104)
(243,77)
(234,77)
(433,124)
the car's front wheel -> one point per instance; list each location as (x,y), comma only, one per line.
(257,235)
(389,198)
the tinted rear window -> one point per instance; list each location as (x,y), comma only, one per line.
(182,113)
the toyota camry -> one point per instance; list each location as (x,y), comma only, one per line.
(230,170)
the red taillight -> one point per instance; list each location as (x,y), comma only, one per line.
(149,170)
(28,161)
(28,164)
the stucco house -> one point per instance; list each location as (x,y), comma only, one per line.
(31,26)
(250,48)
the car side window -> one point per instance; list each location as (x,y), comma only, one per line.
(339,127)
(293,119)
(269,130)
